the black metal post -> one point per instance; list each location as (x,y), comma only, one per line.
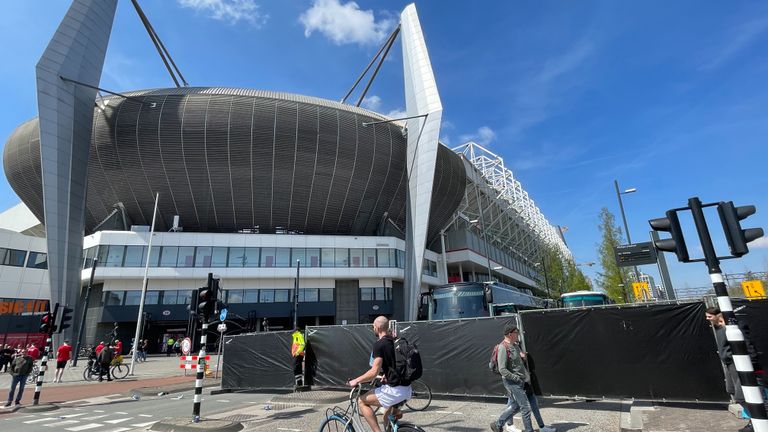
(85,313)
(753,396)
(46,352)
(626,226)
(664,270)
(200,374)
(296,296)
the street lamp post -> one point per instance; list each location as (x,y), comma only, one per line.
(485,243)
(546,279)
(624,217)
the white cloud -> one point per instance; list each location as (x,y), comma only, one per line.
(445,139)
(483,136)
(761,243)
(739,39)
(231,11)
(344,23)
(372,103)
(397,113)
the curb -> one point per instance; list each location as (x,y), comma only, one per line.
(174,388)
(38,408)
(186,425)
(632,415)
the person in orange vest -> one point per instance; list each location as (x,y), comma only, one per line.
(297,352)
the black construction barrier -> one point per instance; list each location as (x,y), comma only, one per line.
(754,314)
(258,361)
(658,351)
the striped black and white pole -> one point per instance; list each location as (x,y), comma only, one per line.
(753,396)
(200,374)
(43,368)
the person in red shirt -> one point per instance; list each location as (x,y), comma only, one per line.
(118,347)
(99,347)
(62,356)
(33,351)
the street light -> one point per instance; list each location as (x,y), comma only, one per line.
(481,227)
(624,217)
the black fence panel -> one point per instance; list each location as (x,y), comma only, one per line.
(754,314)
(341,352)
(258,361)
(660,351)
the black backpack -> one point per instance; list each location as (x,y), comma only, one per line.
(407,361)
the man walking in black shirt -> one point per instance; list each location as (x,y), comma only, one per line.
(391,392)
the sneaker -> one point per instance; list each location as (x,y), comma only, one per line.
(495,427)
(18,403)
(747,428)
(7,404)
(511,428)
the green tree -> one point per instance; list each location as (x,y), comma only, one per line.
(613,279)
(555,272)
(576,281)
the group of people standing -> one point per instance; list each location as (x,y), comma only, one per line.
(104,354)
(20,362)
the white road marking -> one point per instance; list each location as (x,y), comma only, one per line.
(223,400)
(72,415)
(122,429)
(450,412)
(145,415)
(96,417)
(141,425)
(62,423)
(120,412)
(292,430)
(40,420)
(116,421)
(84,427)
(99,411)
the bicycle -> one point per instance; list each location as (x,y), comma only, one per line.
(117,369)
(421,396)
(350,419)
(32,377)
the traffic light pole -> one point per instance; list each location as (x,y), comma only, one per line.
(140,323)
(43,368)
(296,297)
(200,374)
(753,396)
(81,328)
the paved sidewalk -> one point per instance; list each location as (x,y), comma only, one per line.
(690,418)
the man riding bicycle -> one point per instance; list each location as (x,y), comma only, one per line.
(390,393)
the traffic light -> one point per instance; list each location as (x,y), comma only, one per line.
(206,303)
(676,244)
(46,323)
(192,306)
(66,317)
(736,236)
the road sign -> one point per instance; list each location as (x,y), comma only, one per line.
(222,328)
(223,314)
(630,255)
(753,289)
(186,346)
(642,291)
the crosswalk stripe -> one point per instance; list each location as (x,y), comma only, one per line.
(145,415)
(141,425)
(99,411)
(116,421)
(62,423)
(120,412)
(96,417)
(84,427)
(73,415)
(40,420)
(121,429)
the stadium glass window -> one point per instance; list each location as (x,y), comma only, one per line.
(102,252)
(308,295)
(250,296)
(327,258)
(203,256)
(168,256)
(115,256)
(14,257)
(299,254)
(326,294)
(268,257)
(369,257)
(266,296)
(170,297)
(400,258)
(113,298)
(132,298)
(88,256)
(219,257)
(355,257)
(236,257)
(384,258)
(152,298)
(282,296)
(313,258)
(283,257)
(235,296)
(38,260)
(134,256)
(342,257)
(251,257)
(185,297)
(366,294)
(186,256)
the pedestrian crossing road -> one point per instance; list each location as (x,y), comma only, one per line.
(83,419)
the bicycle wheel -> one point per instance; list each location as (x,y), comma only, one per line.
(421,396)
(32,378)
(405,427)
(335,424)
(120,371)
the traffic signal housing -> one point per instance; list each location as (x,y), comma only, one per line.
(206,303)
(46,323)
(676,243)
(66,318)
(730,217)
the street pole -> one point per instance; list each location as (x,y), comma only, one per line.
(664,270)
(482,230)
(218,352)
(296,296)
(140,318)
(79,341)
(626,226)
(753,394)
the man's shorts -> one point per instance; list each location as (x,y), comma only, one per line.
(389,396)
(61,364)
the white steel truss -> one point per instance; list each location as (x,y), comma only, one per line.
(520,207)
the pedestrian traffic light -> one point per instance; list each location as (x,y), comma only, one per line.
(676,244)
(206,303)
(66,317)
(736,236)
(46,323)
(192,306)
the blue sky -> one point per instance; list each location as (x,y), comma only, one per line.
(669,98)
